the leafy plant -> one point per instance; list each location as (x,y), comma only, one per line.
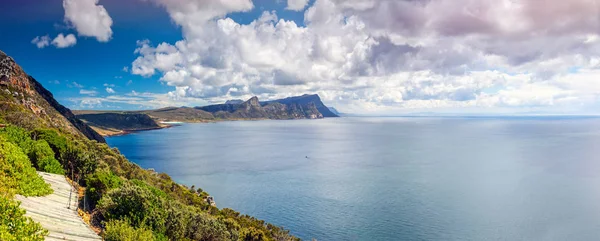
(42,156)
(120,230)
(15,226)
(17,167)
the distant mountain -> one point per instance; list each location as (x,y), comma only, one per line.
(298,107)
(305,101)
(25,102)
(120,122)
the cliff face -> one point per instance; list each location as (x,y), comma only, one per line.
(25,102)
(310,102)
(300,107)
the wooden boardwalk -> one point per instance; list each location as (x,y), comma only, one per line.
(51,211)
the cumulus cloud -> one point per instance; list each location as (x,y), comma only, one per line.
(110,90)
(62,41)
(383,55)
(144,100)
(296,5)
(89,19)
(41,41)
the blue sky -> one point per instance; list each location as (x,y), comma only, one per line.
(368,56)
(91,64)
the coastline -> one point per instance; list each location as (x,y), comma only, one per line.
(110,133)
(168,124)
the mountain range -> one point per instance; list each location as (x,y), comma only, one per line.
(121,122)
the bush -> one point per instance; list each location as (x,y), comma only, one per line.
(42,156)
(204,227)
(17,167)
(119,230)
(51,165)
(252,234)
(98,184)
(17,136)
(135,204)
(15,226)
(57,142)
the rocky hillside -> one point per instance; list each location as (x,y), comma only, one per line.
(25,102)
(306,102)
(120,121)
(299,107)
(122,200)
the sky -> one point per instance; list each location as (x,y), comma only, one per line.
(380,57)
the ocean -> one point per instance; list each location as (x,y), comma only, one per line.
(394,178)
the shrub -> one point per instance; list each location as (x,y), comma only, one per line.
(135,204)
(57,142)
(252,234)
(17,166)
(51,165)
(15,226)
(42,156)
(120,230)
(204,227)
(98,184)
(17,136)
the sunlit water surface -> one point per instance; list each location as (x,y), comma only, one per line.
(393,178)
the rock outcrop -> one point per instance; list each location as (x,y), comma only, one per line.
(299,107)
(25,102)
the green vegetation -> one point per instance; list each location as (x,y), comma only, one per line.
(18,173)
(126,201)
(43,158)
(118,230)
(17,176)
(15,226)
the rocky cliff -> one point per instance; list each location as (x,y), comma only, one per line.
(25,102)
(299,107)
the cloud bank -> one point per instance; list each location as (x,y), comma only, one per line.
(386,56)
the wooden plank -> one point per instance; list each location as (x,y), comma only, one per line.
(52,213)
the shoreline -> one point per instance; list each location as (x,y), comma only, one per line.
(110,133)
(168,124)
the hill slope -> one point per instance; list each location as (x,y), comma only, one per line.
(122,199)
(119,121)
(24,101)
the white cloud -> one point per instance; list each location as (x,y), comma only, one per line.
(110,90)
(75,84)
(296,5)
(41,41)
(385,55)
(88,92)
(88,18)
(143,100)
(62,41)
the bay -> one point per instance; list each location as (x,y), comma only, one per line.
(401,178)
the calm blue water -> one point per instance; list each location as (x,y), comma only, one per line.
(393,178)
